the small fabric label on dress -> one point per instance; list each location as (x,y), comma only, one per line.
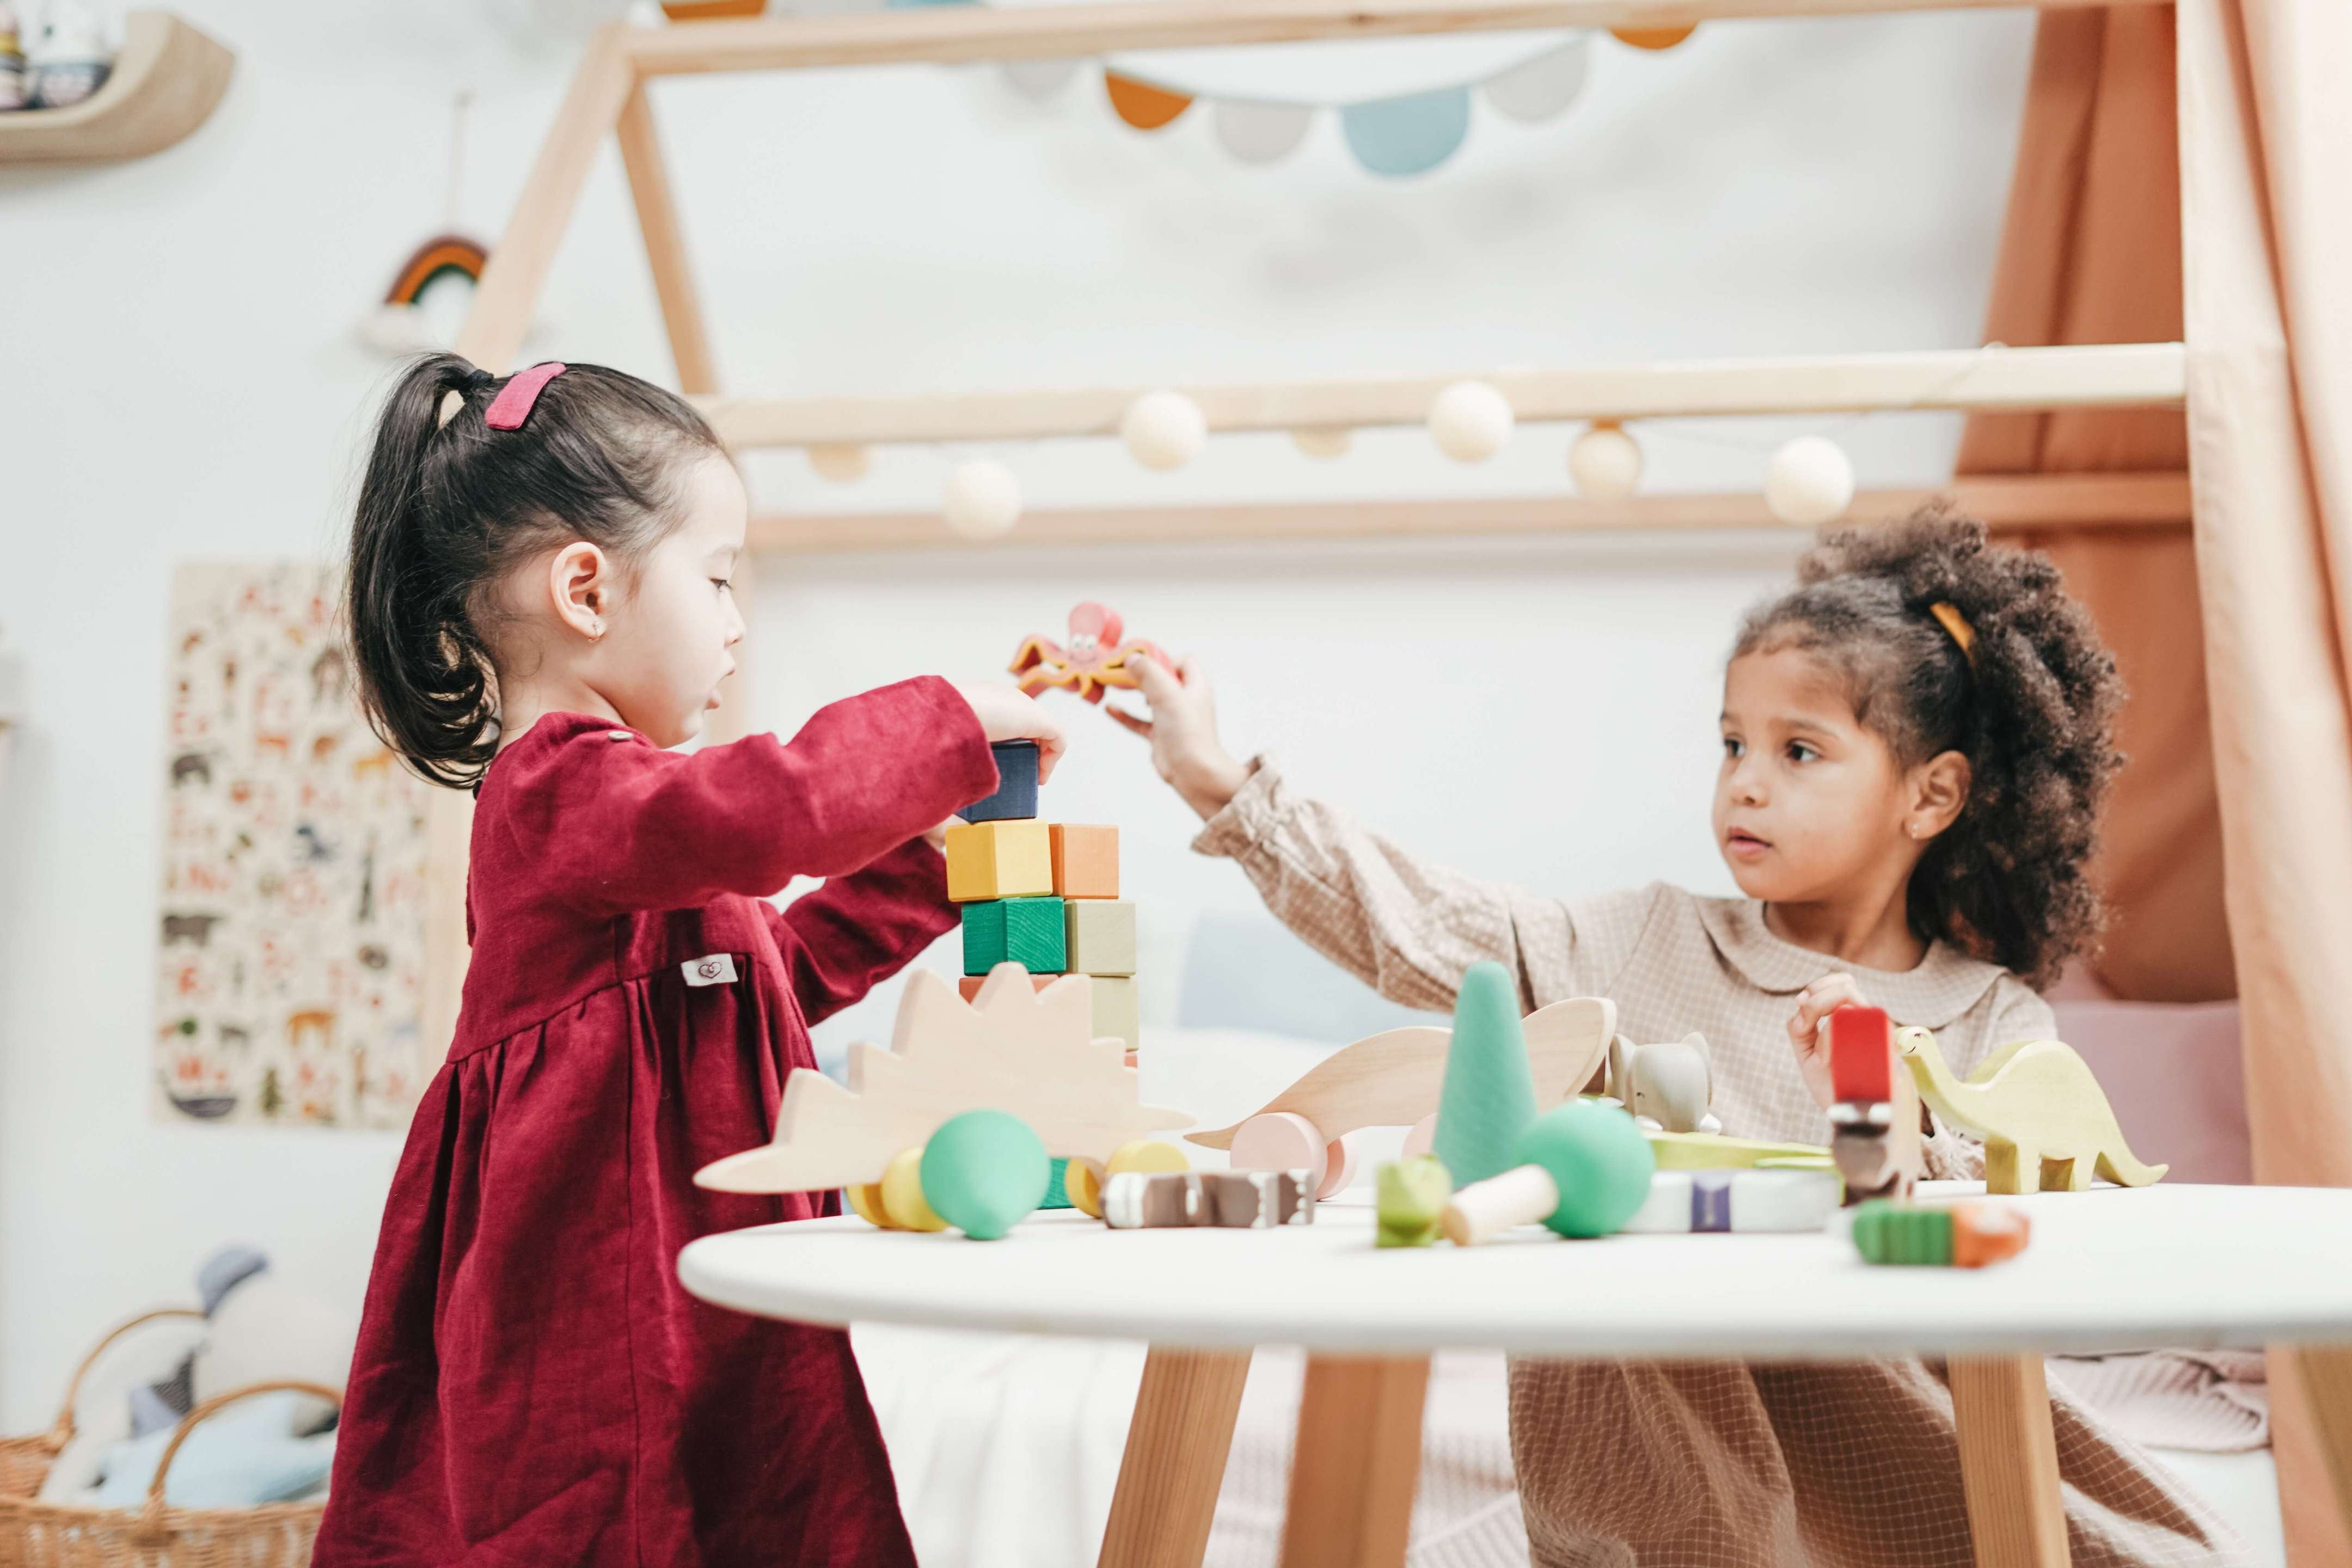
(718,969)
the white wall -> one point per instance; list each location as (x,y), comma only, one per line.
(180,380)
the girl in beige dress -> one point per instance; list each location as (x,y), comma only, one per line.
(1915,741)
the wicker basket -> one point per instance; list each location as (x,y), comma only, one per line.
(24,1461)
(36,1534)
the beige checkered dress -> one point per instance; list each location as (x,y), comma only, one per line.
(1670,1463)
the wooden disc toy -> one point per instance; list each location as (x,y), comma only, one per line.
(1422,1140)
(902,1194)
(1083,1182)
(1281,1140)
(984,1173)
(1584,1170)
(866,1202)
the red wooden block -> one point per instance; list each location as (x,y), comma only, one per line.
(1862,1054)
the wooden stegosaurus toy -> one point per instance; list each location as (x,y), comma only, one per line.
(1013,1047)
(2046,1122)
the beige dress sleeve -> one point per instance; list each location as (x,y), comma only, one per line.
(1404,926)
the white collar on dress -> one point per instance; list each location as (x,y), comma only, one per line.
(1947,983)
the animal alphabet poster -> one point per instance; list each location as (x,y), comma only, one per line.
(289,962)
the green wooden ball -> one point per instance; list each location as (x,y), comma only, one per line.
(984,1172)
(1598,1158)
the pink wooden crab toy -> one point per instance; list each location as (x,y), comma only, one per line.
(1094,660)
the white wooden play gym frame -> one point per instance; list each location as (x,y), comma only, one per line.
(1185,1411)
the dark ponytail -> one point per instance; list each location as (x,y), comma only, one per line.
(447,509)
(2033,708)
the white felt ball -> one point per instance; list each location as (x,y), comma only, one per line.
(1323,441)
(1809,481)
(1470,421)
(1605,464)
(840,461)
(982,500)
(1163,430)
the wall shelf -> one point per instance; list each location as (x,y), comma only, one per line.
(166,82)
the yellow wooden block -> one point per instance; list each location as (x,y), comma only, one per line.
(1083,1179)
(1012,859)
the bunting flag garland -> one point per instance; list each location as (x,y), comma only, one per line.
(1403,104)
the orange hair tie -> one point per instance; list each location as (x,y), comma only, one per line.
(1952,621)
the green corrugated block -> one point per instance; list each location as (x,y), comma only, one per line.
(1026,931)
(1057,1195)
(1886,1232)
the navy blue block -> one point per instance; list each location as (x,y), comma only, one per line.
(1016,786)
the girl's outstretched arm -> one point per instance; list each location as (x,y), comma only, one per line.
(625,825)
(1405,927)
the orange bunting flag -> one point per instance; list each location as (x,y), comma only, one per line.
(1144,107)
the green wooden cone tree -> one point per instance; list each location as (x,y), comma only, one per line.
(1489,1096)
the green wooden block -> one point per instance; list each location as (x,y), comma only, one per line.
(1886,1232)
(1026,931)
(1412,1195)
(1489,1094)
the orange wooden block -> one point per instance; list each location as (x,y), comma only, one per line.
(970,984)
(1086,860)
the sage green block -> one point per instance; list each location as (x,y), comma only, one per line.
(1101,934)
(1026,931)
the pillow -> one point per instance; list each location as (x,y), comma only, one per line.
(265,1330)
(244,1456)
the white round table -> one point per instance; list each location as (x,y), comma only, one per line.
(2107,1269)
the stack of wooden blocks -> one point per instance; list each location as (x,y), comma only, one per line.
(1044,896)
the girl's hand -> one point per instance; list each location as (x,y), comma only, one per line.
(937,838)
(1004,714)
(1183,730)
(1809,1031)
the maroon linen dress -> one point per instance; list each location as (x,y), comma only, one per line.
(531,1385)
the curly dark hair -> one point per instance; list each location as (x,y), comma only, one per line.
(2033,708)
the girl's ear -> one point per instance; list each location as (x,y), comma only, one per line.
(1939,788)
(580,585)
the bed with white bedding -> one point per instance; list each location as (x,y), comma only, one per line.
(1007,1448)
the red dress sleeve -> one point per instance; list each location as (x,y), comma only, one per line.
(615,823)
(838,942)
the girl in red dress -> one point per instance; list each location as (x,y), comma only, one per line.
(540,608)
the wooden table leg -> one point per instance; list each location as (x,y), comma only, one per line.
(1357,1460)
(2328,1385)
(1175,1459)
(2009,1461)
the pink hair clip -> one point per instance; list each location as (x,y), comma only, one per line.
(514,402)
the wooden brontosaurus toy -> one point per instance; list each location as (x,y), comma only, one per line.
(2044,1121)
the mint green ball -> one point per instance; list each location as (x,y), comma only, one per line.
(1598,1158)
(984,1172)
